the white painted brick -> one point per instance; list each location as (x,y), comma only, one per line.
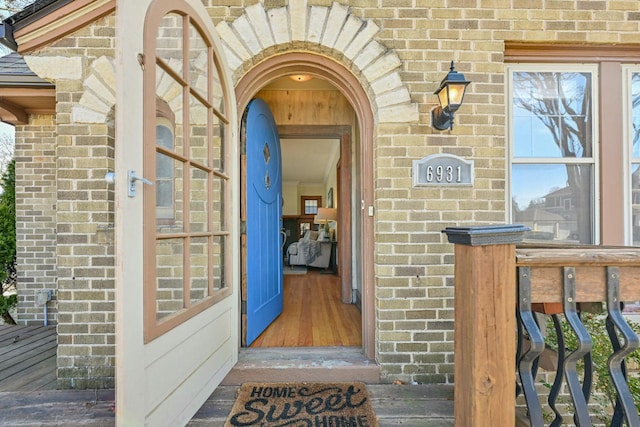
(227,34)
(337,15)
(382,66)
(80,114)
(298,11)
(243,28)
(403,113)
(232,60)
(317,19)
(279,22)
(369,54)
(105,68)
(258,19)
(398,96)
(361,39)
(386,83)
(100,89)
(55,67)
(349,30)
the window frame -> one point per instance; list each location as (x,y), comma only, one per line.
(594,160)
(154,327)
(627,135)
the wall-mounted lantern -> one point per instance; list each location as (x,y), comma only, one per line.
(450,95)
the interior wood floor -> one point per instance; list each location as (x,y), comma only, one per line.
(313,315)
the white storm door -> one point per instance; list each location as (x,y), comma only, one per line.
(176,188)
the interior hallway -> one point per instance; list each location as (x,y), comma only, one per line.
(313,315)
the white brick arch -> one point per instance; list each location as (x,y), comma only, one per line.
(323,29)
(99,95)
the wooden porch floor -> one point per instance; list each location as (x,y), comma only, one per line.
(28,396)
(27,358)
(394,405)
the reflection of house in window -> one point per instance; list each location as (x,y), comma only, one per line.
(165,125)
(635,204)
(553,217)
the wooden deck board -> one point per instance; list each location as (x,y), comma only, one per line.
(408,405)
(27,358)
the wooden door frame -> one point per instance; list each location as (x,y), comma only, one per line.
(343,134)
(282,65)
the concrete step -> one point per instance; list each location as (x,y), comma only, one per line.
(312,364)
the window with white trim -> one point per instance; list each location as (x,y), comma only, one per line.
(186,214)
(632,136)
(553,151)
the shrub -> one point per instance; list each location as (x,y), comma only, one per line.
(603,391)
(8,241)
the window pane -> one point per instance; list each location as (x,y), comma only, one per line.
(310,207)
(554,201)
(635,105)
(164,187)
(198,265)
(217,204)
(198,146)
(198,61)
(170,105)
(198,213)
(169,194)
(635,203)
(169,277)
(217,144)
(552,114)
(219,262)
(169,41)
(217,95)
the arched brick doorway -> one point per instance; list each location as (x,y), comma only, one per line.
(322,67)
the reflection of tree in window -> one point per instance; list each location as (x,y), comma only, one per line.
(552,121)
(635,163)
(164,174)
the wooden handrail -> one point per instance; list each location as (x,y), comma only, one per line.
(487,263)
(590,262)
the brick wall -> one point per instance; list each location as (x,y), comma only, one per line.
(81,237)
(35,153)
(408,45)
(413,262)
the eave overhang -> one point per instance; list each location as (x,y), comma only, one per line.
(47,21)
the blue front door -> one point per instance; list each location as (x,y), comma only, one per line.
(263,188)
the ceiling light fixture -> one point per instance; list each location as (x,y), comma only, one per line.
(300,77)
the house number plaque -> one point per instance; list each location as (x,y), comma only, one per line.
(442,169)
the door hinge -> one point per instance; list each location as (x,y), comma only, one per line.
(243,307)
(243,227)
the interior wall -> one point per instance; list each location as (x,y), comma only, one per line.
(308,107)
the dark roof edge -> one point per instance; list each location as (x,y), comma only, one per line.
(24,82)
(6,36)
(35,11)
(26,16)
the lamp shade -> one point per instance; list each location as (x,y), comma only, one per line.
(326,214)
(450,95)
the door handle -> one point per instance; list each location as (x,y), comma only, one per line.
(284,238)
(132,182)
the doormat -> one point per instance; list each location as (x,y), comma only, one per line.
(294,270)
(302,405)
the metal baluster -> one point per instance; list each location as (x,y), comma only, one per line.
(557,382)
(581,416)
(519,350)
(617,368)
(527,361)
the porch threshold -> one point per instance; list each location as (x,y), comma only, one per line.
(307,364)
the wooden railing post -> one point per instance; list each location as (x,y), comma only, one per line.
(485,324)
